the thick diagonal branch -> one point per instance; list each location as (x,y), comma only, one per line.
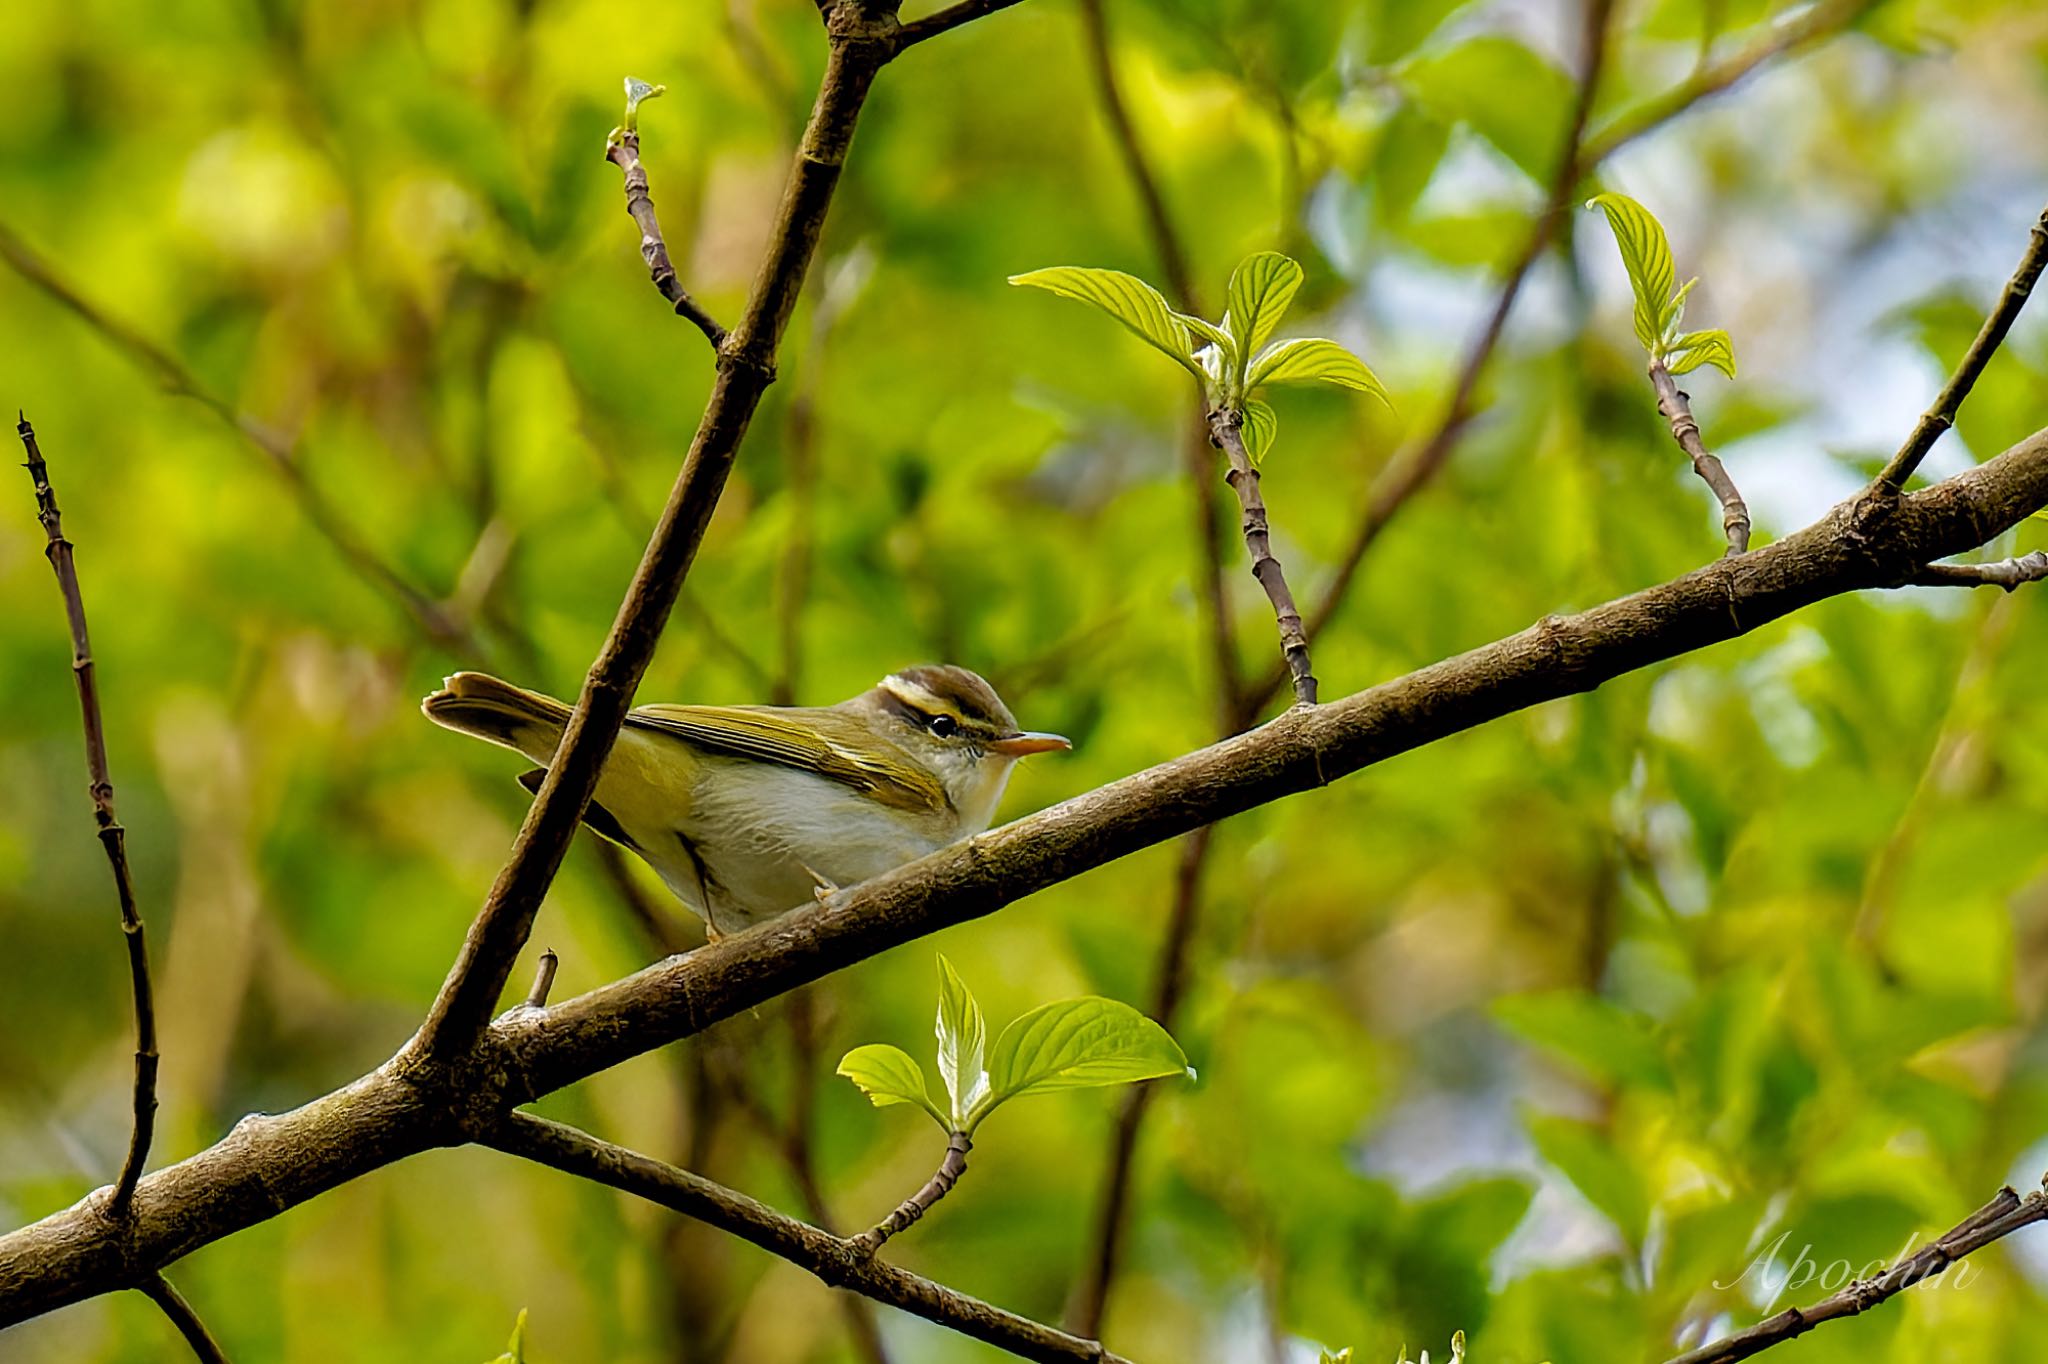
(839,1262)
(860,46)
(2001,1217)
(273,1162)
(1675,407)
(1226,431)
(113,838)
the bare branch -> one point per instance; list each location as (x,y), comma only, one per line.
(2006,573)
(113,838)
(1225,430)
(2001,1217)
(272,1162)
(431,618)
(951,17)
(746,366)
(1675,406)
(204,1347)
(623,151)
(834,1260)
(1949,401)
(918,1204)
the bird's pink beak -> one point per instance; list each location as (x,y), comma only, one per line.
(1018,745)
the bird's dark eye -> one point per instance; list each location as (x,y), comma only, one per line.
(944,726)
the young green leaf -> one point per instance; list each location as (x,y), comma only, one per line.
(1126,298)
(1225,360)
(1646,254)
(1261,288)
(515,1348)
(1711,347)
(1078,1044)
(888,1075)
(962,1039)
(1313,360)
(1260,427)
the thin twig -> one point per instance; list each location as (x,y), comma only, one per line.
(113,838)
(932,25)
(1406,475)
(837,1261)
(918,1204)
(2009,574)
(205,1348)
(2001,1217)
(437,623)
(1675,406)
(1226,431)
(623,151)
(1712,78)
(543,979)
(1949,401)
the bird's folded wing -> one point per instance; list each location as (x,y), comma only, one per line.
(802,739)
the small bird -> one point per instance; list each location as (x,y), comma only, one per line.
(747,811)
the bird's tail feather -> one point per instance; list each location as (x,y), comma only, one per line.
(482,705)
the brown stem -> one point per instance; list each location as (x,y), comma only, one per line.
(932,25)
(113,838)
(272,1162)
(2006,573)
(1675,407)
(837,1261)
(1408,474)
(623,151)
(1949,401)
(543,980)
(863,38)
(1225,430)
(205,1348)
(2001,1217)
(918,1204)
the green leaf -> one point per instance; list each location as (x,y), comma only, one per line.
(515,1348)
(1711,347)
(1260,427)
(1609,1043)
(1312,360)
(1226,358)
(888,1075)
(1646,254)
(1079,1044)
(1502,90)
(962,1039)
(1261,288)
(638,92)
(1126,298)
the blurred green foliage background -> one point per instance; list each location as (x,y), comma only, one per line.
(1539,1033)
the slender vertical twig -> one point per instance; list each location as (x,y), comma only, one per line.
(623,151)
(1226,431)
(1409,474)
(113,838)
(1675,406)
(1990,336)
(906,1213)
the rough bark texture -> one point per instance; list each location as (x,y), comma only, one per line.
(271,1163)
(1676,408)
